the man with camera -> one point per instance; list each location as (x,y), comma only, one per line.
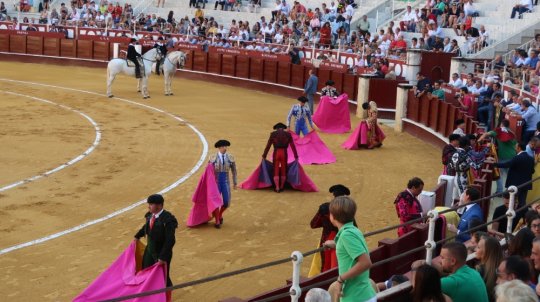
(423,85)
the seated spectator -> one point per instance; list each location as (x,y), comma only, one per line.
(523,7)
(219,2)
(522,244)
(455,48)
(24,6)
(447,46)
(490,255)
(426,283)
(530,116)
(433,32)
(318,295)
(393,281)
(515,291)
(483,39)
(470,9)
(459,24)
(3,10)
(472,210)
(456,81)
(438,91)
(463,283)
(514,268)
(391,74)
(409,20)
(499,227)
(423,85)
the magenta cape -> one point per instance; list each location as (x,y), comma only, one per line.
(360,136)
(205,199)
(332,114)
(121,279)
(263,175)
(311,150)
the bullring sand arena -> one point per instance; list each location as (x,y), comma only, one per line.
(119,151)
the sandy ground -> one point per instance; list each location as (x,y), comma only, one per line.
(142,152)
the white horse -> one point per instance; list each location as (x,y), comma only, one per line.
(118,65)
(172,60)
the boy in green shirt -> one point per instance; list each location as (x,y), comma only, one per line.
(352,253)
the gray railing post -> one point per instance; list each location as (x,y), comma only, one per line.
(430,244)
(510,213)
(295,289)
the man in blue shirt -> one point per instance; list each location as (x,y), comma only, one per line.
(531,117)
(533,61)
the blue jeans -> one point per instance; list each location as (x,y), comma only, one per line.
(519,10)
(482,109)
(527,135)
(309,97)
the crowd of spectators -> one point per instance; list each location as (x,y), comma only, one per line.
(292,26)
(291,29)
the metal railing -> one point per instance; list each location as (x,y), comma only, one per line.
(506,35)
(525,46)
(297,257)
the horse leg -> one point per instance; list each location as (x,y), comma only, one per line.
(110,80)
(171,76)
(167,81)
(139,84)
(144,87)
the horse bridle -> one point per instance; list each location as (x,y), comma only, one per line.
(153,61)
(167,57)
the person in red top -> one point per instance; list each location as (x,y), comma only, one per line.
(400,43)
(465,99)
(407,205)
(325,33)
(117,11)
(329,231)
(280,139)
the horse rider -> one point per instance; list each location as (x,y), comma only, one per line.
(161,45)
(134,56)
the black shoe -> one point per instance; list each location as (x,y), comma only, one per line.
(217,226)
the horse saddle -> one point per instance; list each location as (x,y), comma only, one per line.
(130,63)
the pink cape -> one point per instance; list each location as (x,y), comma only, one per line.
(311,150)
(121,279)
(332,114)
(205,199)
(360,136)
(263,174)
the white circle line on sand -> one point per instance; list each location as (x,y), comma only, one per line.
(123,210)
(96,142)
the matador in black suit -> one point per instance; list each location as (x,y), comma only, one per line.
(159,231)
